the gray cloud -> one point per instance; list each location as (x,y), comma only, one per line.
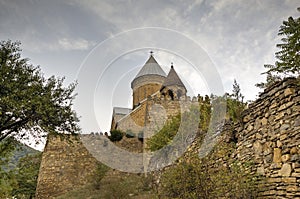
(238,35)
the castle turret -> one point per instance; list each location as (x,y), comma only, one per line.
(173,87)
(148,81)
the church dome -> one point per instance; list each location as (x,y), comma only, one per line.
(151,67)
(148,81)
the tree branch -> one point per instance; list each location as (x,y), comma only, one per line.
(13,126)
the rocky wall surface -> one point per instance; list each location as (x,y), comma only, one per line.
(66,164)
(269,136)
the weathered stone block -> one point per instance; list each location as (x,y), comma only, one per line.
(289,180)
(278,143)
(296,175)
(286,170)
(272,180)
(284,127)
(257,147)
(297,122)
(264,121)
(293,188)
(279,116)
(295,158)
(283,137)
(285,157)
(258,136)
(289,91)
(274,166)
(295,165)
(277,155)
(273,105)
(261,171)
(250,127)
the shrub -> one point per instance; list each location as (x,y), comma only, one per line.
(116,135)
(165,135)
(100,172)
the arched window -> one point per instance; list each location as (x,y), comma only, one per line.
(170,93)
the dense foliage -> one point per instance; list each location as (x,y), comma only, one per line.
(164,136)
(116,135)
(235,103)
(18,180)
(288,57)
(289,54)
(26,175)
(196,179)
(30,103)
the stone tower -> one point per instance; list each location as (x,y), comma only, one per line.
(150,87)
(148,81)
(173,88)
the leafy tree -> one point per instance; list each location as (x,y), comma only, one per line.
(26,175)
(236,92)
(289,54)
(235,104)
(30,103)
(205,113)
(18,173)
(271,79)
(6,177)
(99,174)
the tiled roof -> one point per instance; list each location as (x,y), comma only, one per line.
(122,111)
(151,67)
(173,79)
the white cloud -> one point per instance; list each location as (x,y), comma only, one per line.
(75,44)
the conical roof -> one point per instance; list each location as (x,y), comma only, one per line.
(172,79)
(151,67)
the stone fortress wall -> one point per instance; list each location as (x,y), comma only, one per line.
(153,112)
(268,136)
(66,164)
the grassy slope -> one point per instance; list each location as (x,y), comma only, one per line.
(115,185)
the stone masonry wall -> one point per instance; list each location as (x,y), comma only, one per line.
(66,164)
(157,110)
(270,136)
(142,92)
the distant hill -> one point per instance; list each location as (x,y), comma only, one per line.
(21,150)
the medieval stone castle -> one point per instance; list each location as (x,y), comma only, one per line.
(267,135)
(151,86)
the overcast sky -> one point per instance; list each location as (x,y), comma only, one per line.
(104,43)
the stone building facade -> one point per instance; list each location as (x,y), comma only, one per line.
(156,98)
